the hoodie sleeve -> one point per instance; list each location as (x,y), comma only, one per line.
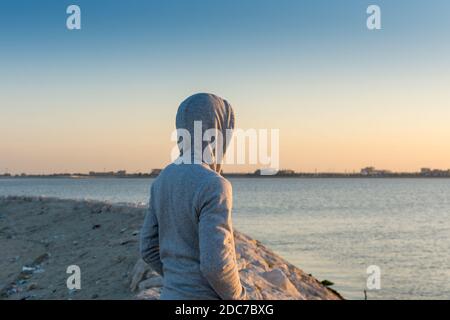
(149,244)
(217,251)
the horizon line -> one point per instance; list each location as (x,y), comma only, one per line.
(363,171)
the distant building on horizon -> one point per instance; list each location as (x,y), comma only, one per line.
(371,171)
(428,172)
(155,172)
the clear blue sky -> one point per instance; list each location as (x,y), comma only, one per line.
(105,96)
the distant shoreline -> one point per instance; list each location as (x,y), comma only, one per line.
(367,172)
(235,175)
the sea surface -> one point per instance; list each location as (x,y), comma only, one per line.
(332,228)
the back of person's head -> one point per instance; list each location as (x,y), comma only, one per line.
(204,125)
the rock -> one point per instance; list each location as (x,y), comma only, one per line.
(127,241)
(279,279)
(264,275)
(14,259)
(9,291)
(41,258)
(149,294)
(32,286)
(26,269)
(139,273)
(24,276)
(151,283)
(327,283)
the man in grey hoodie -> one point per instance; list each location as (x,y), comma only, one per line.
(187,234)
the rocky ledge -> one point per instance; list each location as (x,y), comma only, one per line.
(265,275)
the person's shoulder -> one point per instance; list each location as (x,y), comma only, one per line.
(214,189)
(167,169)
(215,181)
(163,174)
(198,175)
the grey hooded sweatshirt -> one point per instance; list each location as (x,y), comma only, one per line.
(187,234)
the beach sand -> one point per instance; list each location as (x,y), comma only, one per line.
(41,237)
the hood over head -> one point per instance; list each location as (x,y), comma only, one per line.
(204,125)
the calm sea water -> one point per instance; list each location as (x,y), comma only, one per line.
(332,228)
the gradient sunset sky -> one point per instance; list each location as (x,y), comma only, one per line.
(343,97)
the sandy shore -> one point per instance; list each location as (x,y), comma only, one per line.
(41,237)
